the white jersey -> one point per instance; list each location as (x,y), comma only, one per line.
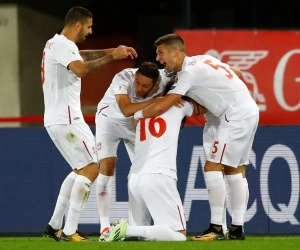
(210,118)
(156,142)
(61,86)
(215,86)
(123,83)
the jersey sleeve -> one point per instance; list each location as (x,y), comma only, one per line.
(184,83)
(67,53)
(188,109)
(120,84)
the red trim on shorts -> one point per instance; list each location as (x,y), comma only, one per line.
(87,149)
(69,112)
(222,153)
(180,217)
(102,109)
(226,118)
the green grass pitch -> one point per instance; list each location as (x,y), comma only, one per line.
(251,243)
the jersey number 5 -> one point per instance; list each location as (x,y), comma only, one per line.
(161,130)
(217,66)
(43,68)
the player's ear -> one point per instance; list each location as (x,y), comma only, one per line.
(175,52)
(78,26)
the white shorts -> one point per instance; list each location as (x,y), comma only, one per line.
(209,132)
(109,134)
(232,142)
(155,195)
(75,142)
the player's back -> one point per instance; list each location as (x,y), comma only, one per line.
(157,141)
(61,86)
(218,88)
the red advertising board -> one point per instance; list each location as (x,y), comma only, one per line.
(269,60)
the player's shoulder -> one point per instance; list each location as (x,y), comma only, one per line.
(60,41)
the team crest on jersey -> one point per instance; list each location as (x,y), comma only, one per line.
(176,80)
(172,87)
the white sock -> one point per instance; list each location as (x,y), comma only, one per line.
(216,195)
(155,233)
(103,190)
(237,194)
(79,195)
(247,196)
(224,221)
(63,200)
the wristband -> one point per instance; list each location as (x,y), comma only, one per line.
(138,115)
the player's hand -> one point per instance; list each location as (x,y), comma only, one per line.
(120,53)
(131,52)
(134,123)
(180,103)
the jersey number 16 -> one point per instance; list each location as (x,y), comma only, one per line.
(161,130)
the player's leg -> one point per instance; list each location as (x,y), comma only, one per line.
(78,143)
(54,227)
(107,140)
(138,212)
(209,132)
(162,199)
(139,215)
(243,138)
(147,233)
(246,187)
(165,206)
(224,152)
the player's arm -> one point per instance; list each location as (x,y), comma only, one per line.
(161,106)
(89,55)
(81,68)
(180,88)
(128,108)
(237,71)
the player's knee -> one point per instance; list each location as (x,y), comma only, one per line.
(90,171)
(107,166)
(231,170)
(212,166)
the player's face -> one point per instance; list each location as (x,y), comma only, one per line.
(84,30)
(167,57)
(143,85)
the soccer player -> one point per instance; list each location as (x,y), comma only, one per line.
(210,130)
(152,181)
(62,68)
(214,85)
(131,90)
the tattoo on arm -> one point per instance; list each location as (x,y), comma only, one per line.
(89,55)
(97,65)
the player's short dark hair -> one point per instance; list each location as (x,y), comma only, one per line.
(77,14)
(172,41)
(149,70)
